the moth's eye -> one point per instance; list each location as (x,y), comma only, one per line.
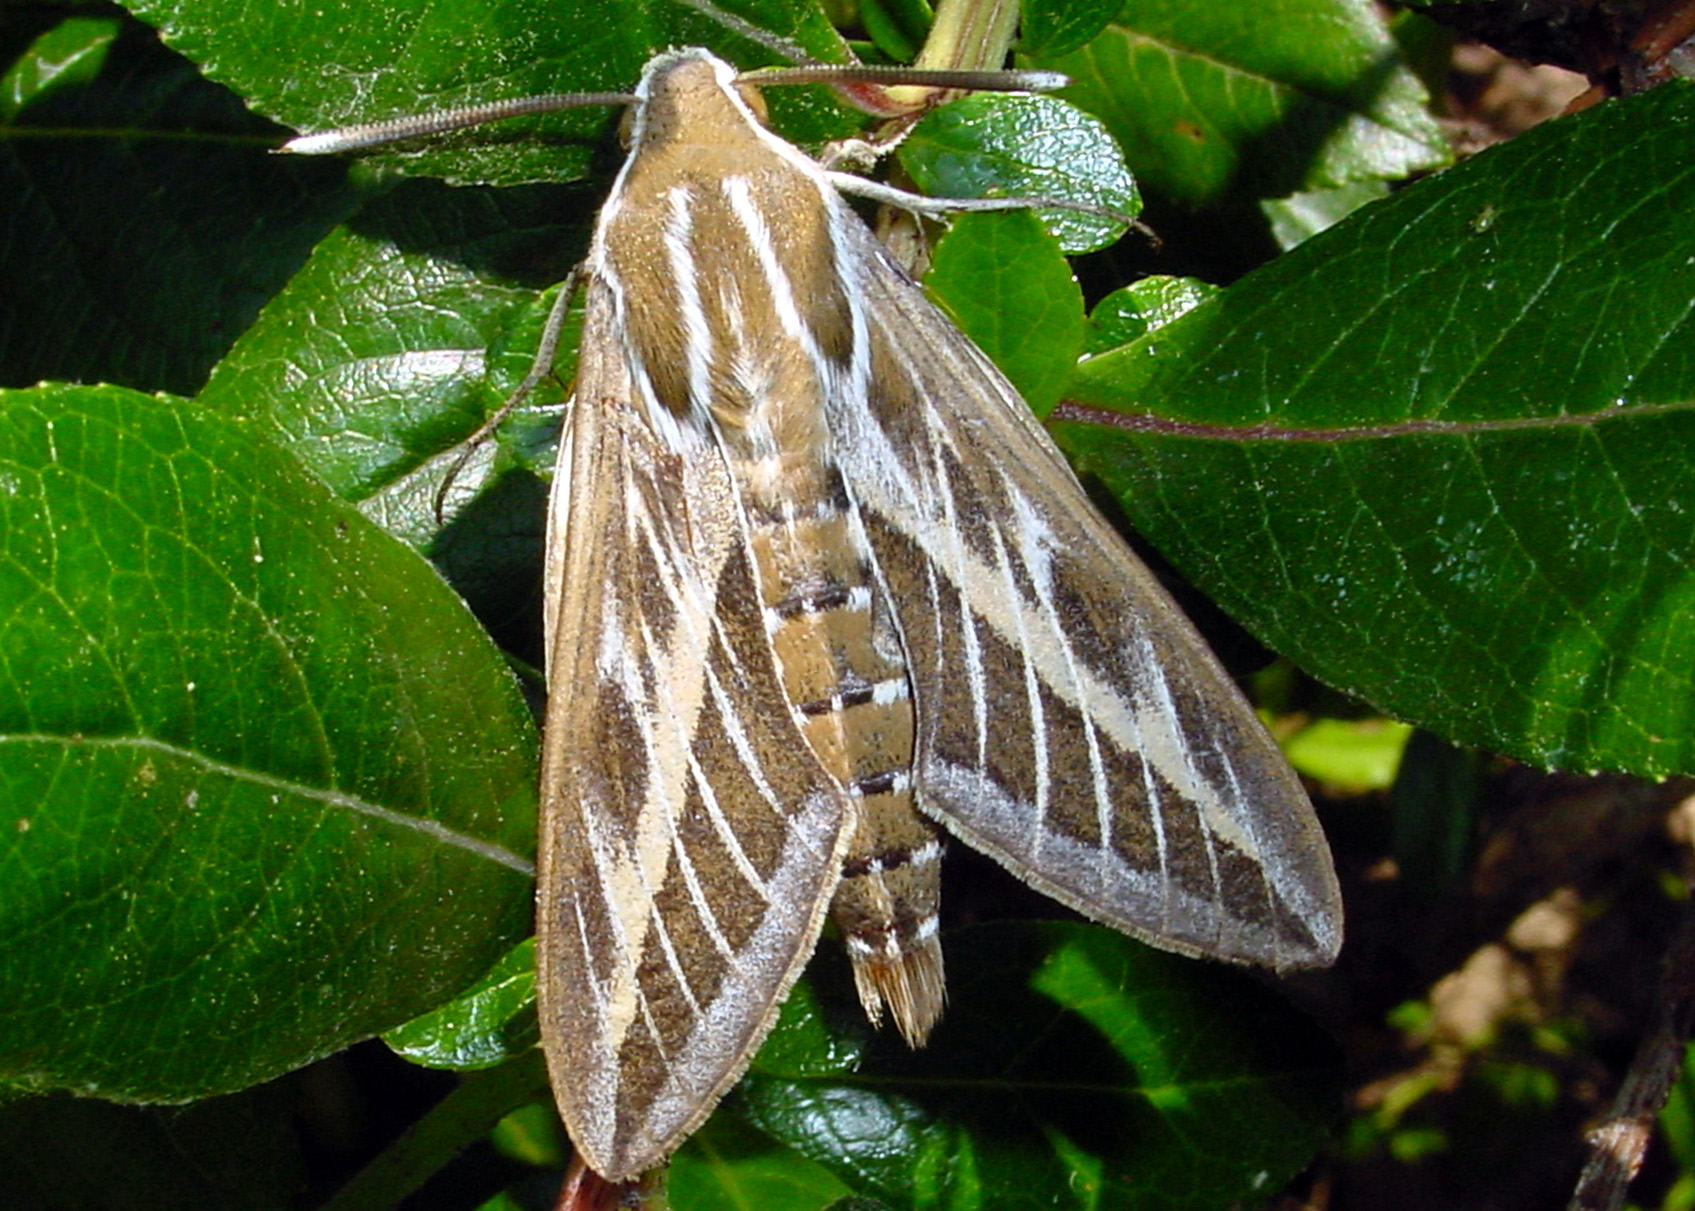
(756,102)
(626,127)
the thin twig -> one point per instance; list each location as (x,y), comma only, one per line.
(1618,1142)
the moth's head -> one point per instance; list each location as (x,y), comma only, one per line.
(689,95)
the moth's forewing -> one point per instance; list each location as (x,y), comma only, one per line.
(1072,724)
(689,839)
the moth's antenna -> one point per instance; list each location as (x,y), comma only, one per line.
(375,134)
(894,75)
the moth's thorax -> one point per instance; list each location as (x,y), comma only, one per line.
(718,245)
(723,332)
(692,102)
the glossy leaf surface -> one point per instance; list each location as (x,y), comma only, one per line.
(267,786)
(1438,453)
(1066,1073)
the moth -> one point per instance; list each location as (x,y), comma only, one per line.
(821,592)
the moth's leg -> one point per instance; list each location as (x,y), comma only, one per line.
(932,208)
(541,365)
(860,154)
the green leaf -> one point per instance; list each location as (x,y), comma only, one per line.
(69,54)
(145,226)
(1677,1120)
(1040,147)
(491,1022)
(324,65)
(1141,307)
(896,27)
(1438,454)
(1436,799)
(1300,215)
(729,1164)
(1356,755)
(372,361)
(1253,98)
(268,785)
(1074,1068)
(533,1135)
(1005,282)
(1055,27)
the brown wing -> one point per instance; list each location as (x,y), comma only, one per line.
(1072,724)
(690,841)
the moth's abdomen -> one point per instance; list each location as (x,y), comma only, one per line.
(846,679)
(748,335)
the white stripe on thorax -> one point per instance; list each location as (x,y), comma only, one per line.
(679,236)
(783,299)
